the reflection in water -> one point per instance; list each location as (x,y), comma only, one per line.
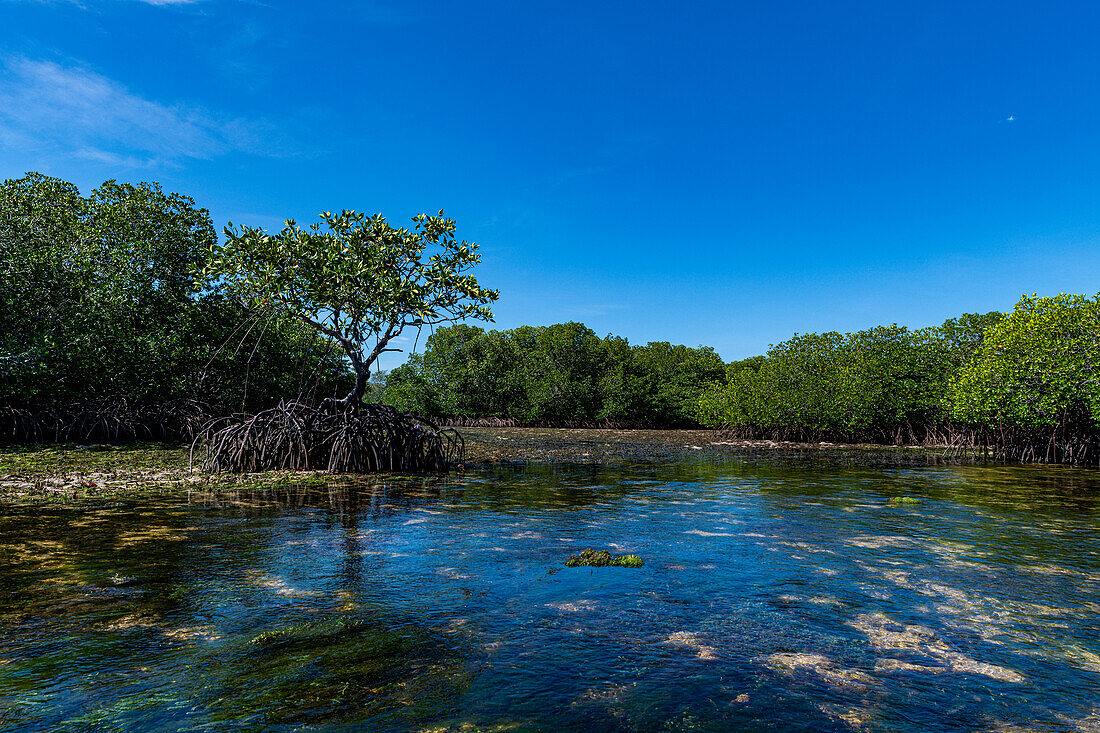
(778,594)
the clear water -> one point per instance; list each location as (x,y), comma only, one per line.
(775,596)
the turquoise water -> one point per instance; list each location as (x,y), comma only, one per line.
(776,595)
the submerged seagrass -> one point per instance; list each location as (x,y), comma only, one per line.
(367,439)
(778,592)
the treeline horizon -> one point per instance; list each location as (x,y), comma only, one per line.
(861,386)
(1023,386)
(557,375)
(109,333)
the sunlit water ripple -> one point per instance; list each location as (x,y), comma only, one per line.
(775,596)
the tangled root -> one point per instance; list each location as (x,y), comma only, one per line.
(366,439)
(105,421)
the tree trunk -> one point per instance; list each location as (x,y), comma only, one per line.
(355,396)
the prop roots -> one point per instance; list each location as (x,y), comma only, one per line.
(295,436)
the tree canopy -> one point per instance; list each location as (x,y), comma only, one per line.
(1039,367)
(887,383)
(355,279)
(558,374)
(97,306)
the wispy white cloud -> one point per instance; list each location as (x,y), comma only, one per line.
(117,160)
(49,108)
(83,5)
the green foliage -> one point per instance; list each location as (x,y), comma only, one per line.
(97,304)
(1036,368)
(674,376)
(963,337)
(869,385)
(559,366)
(355,278)
(92,288)
(449,378)
(556,374)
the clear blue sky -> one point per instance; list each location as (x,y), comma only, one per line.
(714,173)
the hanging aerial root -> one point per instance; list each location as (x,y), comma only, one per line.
(103,421)
(296,436)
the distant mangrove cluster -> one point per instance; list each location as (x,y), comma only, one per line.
(559,375)
(887,384)
(1024,385)
(122,317)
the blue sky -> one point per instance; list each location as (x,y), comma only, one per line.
(714,173)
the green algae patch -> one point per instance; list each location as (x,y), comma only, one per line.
(344,670)
(897,500)
(603,558)
(310,632)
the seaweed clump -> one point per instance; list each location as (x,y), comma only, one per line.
(310,632)
(603,558)
(905,500)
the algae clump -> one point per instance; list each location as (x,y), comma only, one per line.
(603,558)
(309,632)
(905,500)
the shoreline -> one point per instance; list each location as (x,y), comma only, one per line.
(91,476)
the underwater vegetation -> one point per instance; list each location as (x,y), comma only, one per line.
(778,594)
(342,668)
(603,558)
(309,632)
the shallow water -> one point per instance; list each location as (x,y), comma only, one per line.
(776,595)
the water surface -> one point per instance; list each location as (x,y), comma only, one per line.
(776,595)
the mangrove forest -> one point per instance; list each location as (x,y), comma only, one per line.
(124,317)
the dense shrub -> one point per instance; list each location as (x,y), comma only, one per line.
(885,384)
(98,307)
(560,374)
(1034,383)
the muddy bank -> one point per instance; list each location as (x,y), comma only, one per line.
(90,475)
(596,445)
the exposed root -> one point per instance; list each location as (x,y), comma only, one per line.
(295,436)
(1075,440)
(106,421)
